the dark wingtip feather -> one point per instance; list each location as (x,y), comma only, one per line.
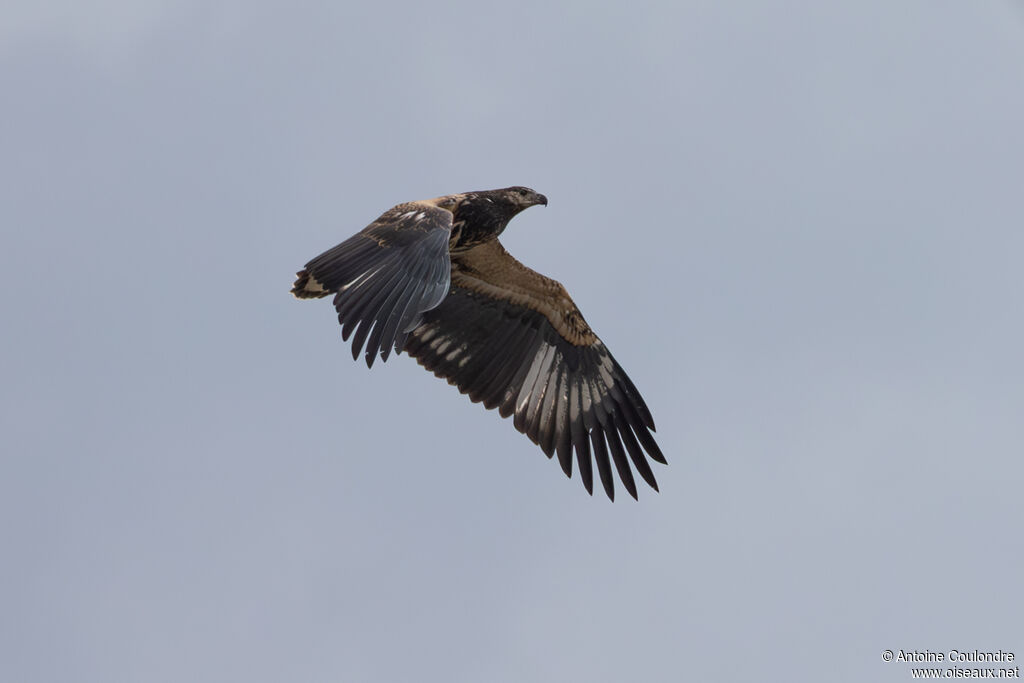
(604,467)
(585,464)
(636,454)
(619,459)
(565,458)
(651,446)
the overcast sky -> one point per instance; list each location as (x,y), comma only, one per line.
(799,226)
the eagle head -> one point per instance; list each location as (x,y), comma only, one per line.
(522,197)
(506,202)
(481,216)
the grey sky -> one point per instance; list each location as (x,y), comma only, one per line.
(798,226)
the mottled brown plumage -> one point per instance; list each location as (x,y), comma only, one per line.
(490,270)
(431,278)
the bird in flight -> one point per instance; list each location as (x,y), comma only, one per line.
(431,278)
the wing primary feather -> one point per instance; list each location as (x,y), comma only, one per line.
(643,468)
(595,431)
(579,434)
(603,465)
(640,429)
(651,446)
(583,459)
(532,393)
(607,408)
(619,458)
(545,419)
(598,393)
(563,433)
(360,336)
(635,398)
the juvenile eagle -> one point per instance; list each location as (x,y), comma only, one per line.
(431,278)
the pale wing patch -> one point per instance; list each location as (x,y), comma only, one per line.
(361,278)
(313,286)
(448,202)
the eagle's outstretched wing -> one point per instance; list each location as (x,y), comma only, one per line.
(385,277)
(513,339)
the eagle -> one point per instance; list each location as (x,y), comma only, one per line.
(430,278)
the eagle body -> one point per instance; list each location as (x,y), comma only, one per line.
(431,278)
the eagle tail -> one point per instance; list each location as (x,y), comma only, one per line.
(308,287)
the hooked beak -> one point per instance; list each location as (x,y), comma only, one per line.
(540,199)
